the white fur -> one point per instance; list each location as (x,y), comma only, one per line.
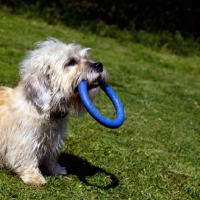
(33,115)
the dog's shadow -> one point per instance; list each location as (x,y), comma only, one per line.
(83,169)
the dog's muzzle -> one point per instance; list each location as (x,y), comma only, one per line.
(98,67)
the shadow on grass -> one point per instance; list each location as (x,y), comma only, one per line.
(83,170)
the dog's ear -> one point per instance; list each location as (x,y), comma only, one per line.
(37,90)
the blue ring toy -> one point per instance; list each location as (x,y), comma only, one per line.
(82,89)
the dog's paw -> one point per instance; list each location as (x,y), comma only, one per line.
(33,177)
(58,170)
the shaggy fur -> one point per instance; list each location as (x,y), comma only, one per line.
(33,115)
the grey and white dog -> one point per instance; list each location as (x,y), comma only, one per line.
(33,115)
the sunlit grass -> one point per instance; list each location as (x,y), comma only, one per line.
(154,155)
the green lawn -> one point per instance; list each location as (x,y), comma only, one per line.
(155,154)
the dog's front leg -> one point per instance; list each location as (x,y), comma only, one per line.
(31,176)
(22,160)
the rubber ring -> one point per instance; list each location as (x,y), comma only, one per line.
(120,116)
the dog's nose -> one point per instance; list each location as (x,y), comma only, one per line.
(98,66)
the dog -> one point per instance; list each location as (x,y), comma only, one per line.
(33,115)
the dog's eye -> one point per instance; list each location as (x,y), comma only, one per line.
(71,62)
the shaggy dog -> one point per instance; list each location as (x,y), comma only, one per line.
(33,115)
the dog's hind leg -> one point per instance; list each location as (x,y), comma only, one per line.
(56,169)
(1,163)
(52,167)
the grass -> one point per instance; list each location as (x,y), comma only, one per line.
(154,155)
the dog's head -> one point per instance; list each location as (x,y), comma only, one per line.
(52,72)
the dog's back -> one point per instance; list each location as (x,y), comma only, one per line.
(4,96)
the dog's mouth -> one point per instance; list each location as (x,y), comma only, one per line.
(93,85)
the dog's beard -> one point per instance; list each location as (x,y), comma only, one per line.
(93,79)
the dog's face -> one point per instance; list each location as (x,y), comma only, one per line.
(51,75)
